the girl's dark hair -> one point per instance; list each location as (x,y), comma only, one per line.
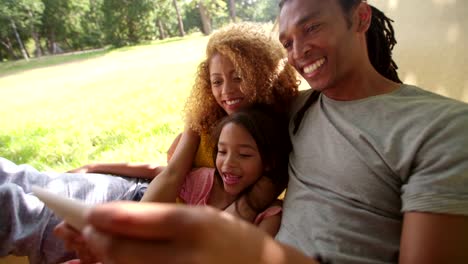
(380,42)
(269,129)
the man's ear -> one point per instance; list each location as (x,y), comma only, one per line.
(362,17)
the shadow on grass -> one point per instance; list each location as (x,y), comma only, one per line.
(23,155)
(157,42)
(13,67)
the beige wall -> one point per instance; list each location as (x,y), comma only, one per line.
(432,49)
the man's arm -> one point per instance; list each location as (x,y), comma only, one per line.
(128,232)
(434,238)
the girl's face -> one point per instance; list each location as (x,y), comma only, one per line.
(238,160)
(225,84)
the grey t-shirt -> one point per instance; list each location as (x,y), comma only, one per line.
(357,166)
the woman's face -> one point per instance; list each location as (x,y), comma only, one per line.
(238,160)
(225,84)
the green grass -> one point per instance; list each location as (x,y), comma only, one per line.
(58,113)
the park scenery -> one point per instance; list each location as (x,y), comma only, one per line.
(86,81)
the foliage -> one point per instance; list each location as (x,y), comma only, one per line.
(128,22)
(55,26)
(257,10)
(25,14)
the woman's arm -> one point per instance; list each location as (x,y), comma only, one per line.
(165,187)
(172,148)
(136,170)
(434,238)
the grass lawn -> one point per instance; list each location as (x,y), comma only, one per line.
(58,113)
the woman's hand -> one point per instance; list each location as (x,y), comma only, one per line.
(75,241)
(83,169)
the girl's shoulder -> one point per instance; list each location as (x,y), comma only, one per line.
(274,209)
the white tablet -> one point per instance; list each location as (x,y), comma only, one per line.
(72,211)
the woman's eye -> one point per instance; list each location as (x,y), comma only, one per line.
(245,155)
(216,82)
(287,44)
(221,152)
(237,79)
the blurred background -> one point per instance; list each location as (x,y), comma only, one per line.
(432,44)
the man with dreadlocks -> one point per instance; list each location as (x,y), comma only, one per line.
(378,171)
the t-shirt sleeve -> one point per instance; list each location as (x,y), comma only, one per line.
(439,179)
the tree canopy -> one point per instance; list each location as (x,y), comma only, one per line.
(32,28)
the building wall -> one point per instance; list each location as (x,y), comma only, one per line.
(432,43)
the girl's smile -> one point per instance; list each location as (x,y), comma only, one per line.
(238,159)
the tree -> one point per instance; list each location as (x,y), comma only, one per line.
(210,11)
(18,21)
(18,38)
(92,25)
(205,18)
(258,10)
(232,10)
(128,22)
(179,19)
(61,24)
(166,18)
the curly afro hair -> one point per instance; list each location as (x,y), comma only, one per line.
(259,59)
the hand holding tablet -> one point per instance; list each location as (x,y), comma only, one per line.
(72,211)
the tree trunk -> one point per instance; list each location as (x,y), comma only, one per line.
(179,19)
(205,17)
(37,43)
(9,47)
(51,45)
(23,50)
(35,36)
(232,10)
(162,32)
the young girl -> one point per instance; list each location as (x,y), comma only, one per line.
(251,143)
(243,66)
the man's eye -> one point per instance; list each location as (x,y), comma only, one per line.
(312,28)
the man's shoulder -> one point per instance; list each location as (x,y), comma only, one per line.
(412,92)
(300,100)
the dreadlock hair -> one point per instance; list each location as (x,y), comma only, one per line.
(380,39)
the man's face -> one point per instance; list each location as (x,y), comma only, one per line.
(319,41)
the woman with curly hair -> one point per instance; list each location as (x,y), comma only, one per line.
(243,66)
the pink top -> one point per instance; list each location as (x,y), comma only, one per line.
(197,187)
